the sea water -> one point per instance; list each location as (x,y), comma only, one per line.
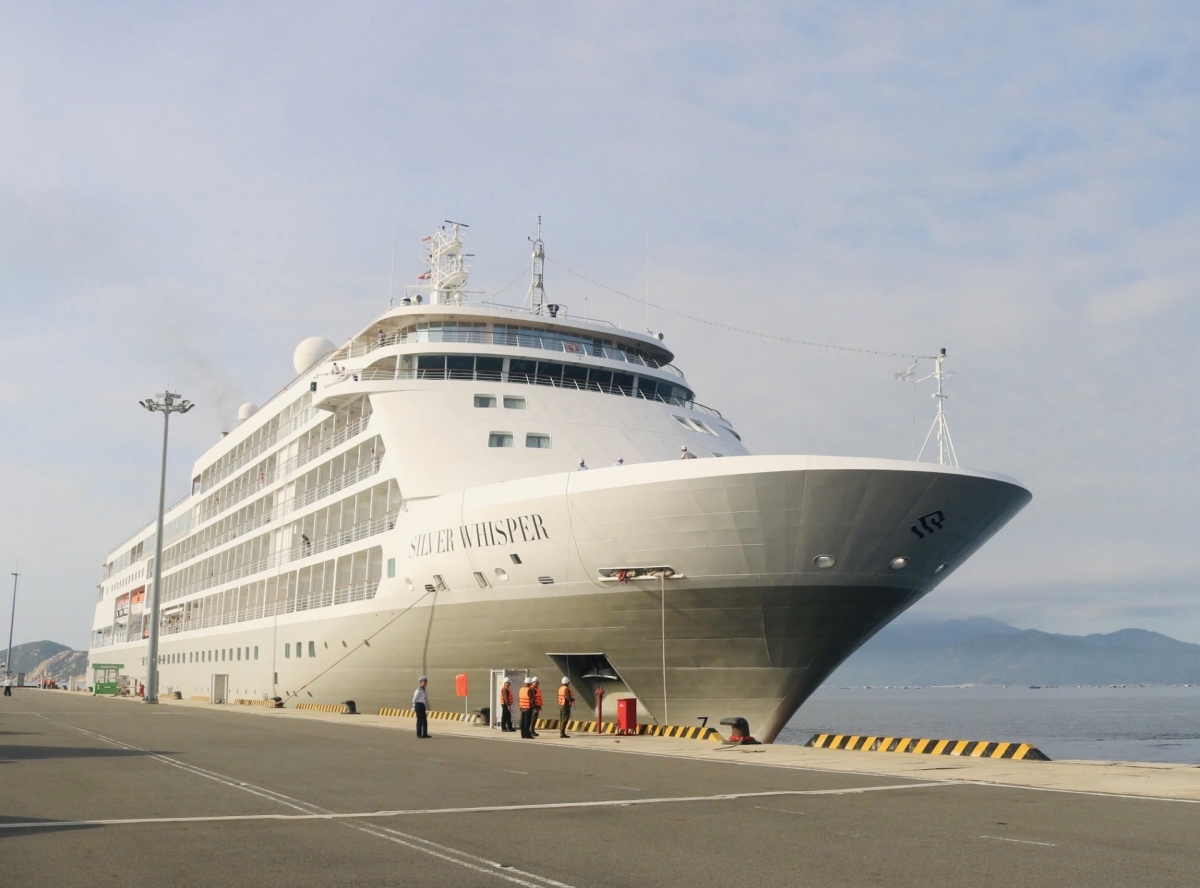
(1134,723)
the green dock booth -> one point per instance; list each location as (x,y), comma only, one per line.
(106,678)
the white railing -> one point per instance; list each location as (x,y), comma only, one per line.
(336,483)
(550,342)
(531,379)
(294,553)
(311,601)
(216,506)
(232,533)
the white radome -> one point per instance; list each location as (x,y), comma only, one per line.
(308,351)
(246,411)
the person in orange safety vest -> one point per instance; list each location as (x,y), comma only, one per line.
(535,690)
(565,701)
(525,702)
(506,702)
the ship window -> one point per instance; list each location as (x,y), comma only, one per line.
(735,434)
(511,403)
(439,583)
(391,568)
(538,442)
(485,400)
(481,580)
(247,653)
(312,648)
(256,652)
(548,372)
(577,373)
(600,379)
(489,368)
(431,366)
(521,370)
(623,382)
(460,366)
(500,439)
(299,649)
(516,559)
(239,653)
(222,654)
(683,422)
(287,651)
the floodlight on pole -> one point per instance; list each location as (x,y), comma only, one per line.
(167,403)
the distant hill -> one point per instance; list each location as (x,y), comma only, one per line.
(984,651)
(46,659)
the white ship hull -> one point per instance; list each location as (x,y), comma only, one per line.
(752,626)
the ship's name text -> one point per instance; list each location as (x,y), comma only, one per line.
(481,535)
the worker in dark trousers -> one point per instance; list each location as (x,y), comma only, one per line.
(421,705)
(525,702)
(565,701)
(506,701)
(535,691)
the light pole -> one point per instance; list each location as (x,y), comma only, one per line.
(167,403)
(12,617)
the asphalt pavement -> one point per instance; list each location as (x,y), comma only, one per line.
(111,792)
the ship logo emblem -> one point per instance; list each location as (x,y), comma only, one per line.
(928,524)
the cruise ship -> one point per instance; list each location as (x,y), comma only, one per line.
(465,488)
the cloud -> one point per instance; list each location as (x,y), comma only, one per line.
(193,191)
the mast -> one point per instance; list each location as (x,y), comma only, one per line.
(446,279)
(536,297)
(945,444)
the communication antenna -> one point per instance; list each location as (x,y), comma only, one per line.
(536,297)
(945,445)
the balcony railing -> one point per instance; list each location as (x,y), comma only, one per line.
(294,553)
(216,506)
(355,592)
(563,345)
(530,379)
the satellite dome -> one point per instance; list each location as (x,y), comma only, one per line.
(309,351)
(246,411)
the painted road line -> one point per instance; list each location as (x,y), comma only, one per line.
(322,814)
(314,812)
(1020,841)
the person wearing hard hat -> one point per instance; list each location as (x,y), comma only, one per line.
(506,701)
(535,692)
(420,705)
(565,701)
(525,702)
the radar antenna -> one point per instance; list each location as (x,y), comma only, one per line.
(536,297)
(945,445)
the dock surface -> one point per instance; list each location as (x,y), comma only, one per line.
(113,792)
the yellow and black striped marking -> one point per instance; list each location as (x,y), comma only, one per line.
(243,702)
(678,731)
(201,698)
(925,746)
(325,707)
(443,716)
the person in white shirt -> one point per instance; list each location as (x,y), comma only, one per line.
(582,465)
(620,461)
(421,704)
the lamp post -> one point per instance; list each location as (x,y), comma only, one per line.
(167,403)
(11,619)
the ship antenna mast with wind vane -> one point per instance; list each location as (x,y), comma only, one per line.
(945,444)
(536,297)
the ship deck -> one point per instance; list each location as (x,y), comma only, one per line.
(108,791)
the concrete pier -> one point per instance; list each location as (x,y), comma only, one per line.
(112,792)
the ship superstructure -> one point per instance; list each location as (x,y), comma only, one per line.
(415,502)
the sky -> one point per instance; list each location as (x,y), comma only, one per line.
(188,190)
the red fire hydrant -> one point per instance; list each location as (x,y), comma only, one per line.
(599,706)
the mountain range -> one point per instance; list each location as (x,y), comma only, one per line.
(46,659)
(980,650)
(977,650)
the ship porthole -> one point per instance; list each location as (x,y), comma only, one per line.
(940,568)
(899,563)
(409,583)
(824,561)
(501,574)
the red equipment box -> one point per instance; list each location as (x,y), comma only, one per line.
(627,716)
